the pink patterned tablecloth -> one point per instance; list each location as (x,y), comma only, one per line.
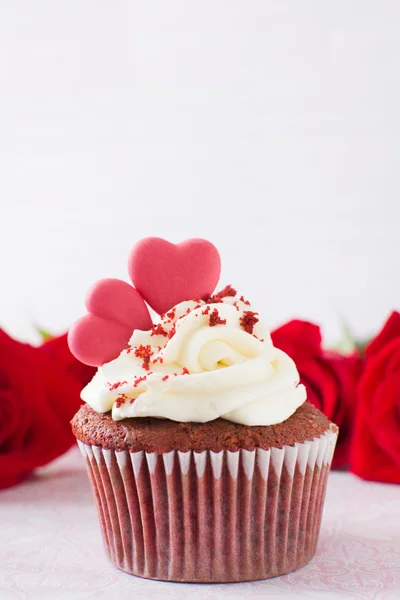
(50,546)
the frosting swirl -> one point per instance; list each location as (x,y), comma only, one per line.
(200,362)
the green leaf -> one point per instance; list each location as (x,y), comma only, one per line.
(45,335)
(349,343)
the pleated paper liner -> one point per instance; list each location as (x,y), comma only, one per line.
(211,517)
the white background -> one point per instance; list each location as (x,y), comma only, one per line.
(270,127)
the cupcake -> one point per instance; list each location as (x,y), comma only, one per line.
(206,461)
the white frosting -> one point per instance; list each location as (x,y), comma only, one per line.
(233,374)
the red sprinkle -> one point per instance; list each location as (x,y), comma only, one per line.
(171,313)
(244,301)
(116,385)
(158,359)
(213,299)
(139,380)
(227,291)
(172,332)
(185,371)
(121,400)
(158,330)
(165,377)
(206,310)
(144,352)
(248,321)
(214,319)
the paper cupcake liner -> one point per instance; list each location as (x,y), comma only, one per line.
(211,517)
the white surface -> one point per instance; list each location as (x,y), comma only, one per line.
(271,128)
(50,547)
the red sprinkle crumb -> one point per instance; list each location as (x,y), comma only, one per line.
(248,321)
(158,359)
(144,352)
(206,310)
(227,291)
(214,319)
(171,313)
(139,380)
(244,301)
(116,385)
(158,330)
(165,377)
(172,332)
(185,371)
(121,400)
(212,299)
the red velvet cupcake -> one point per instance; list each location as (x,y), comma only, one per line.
(207,463)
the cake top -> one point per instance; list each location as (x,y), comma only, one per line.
(156,435)
(208,355)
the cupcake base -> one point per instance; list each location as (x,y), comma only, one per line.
(211,517)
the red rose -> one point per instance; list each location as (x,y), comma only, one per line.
(58,348)
(376,447)
(329,377)
(39,394)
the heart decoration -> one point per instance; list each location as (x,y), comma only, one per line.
(166,274)
(115,309)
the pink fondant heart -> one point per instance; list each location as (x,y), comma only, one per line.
(115,309)
(118,301)
(95,341)
(166,274)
